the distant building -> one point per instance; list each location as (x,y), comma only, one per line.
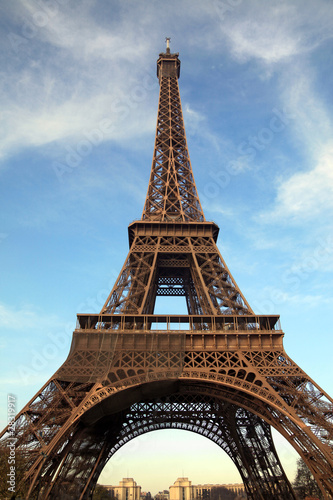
(204,490)
(146,495)
(127,490)
(182,489)
(162,495)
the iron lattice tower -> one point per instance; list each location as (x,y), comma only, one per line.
(220,371)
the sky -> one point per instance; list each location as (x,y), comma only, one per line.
(79,98)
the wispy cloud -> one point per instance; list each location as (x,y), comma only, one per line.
(306,299)
(34,115)
(26,318)
(278,33)
(305,195)
(81,78)
(85,72)
(197,124)
(281,40)
(308,192)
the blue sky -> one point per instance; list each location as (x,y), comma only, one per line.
(79,99)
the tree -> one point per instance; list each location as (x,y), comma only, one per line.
(304,483)
(102,493)
(12,468)
(222,493)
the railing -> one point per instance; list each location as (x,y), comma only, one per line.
(158,322)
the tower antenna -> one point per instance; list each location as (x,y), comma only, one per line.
(167,39)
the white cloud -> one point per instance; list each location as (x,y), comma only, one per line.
(311,123)
(36,124)
(216,208)
(196,124)
(77,69)
(74,73)
(284,297)
(305,195)
(194,119)
(272,33)
(308,192)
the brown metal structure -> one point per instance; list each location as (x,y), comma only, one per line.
(220,370)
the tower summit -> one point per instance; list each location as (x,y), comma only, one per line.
(219,370)
(172,194)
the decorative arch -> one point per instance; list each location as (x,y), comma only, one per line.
(242,434)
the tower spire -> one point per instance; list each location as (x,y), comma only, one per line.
(173,249)
(172,194)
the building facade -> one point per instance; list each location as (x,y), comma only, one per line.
(182,489)
(127,490)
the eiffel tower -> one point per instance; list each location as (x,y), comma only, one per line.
(220,370)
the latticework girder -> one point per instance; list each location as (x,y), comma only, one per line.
(172,194)
(209,287)
(53,425)
(238,432)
